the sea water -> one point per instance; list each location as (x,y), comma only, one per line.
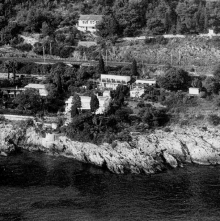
(41,187)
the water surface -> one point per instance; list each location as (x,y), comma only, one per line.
(41,187)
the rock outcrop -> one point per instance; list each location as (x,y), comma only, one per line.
(146,154)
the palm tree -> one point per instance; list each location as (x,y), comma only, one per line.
(14,69)
(8,66)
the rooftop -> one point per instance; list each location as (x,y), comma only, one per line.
(91,17)
(87,43)
(36,86)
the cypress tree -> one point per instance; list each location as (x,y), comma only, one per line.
(14,69)
(74,110)
(77,101)
(59,83)
(206,21)
(134,68)
(94,103)
(101,65)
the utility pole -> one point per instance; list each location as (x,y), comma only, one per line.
(44,52)
(171,58)
(143,71)
(157,57)
(106,57)
(50,48)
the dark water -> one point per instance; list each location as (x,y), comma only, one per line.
(40,187)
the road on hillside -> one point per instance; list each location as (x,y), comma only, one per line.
(67,61)
(91,62)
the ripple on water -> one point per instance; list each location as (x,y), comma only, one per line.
(40,187)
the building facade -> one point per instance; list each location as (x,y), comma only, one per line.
(143,83)
(40,87)
(88,22)
(136,92)
(85,103)
(112,81)
(194,91)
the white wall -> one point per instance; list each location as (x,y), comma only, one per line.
(84,29)
(149,82)
(85,102)
(115,77)
(136,93)
(86,23)
(194,91)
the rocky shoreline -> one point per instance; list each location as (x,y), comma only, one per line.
(152,153)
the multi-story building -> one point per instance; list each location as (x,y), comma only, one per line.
(85,104)
(136,92)
(40,87)
(112,81)
(88,22)
(143,83)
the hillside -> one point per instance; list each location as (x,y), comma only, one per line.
(54,24)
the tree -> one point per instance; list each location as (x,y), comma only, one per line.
(101,65)
(14,69)
(30,99)
(59,83)
(197,83)
(134,68)
(211,85)
(174,79)
(56,75)
(77,101)
(45,29)
(94,103)
(74,110)
(108,27)
(8,66)
(216,73)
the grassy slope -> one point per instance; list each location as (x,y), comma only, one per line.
(189,52)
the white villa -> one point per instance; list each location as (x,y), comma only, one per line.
(40,87)
(194,91)
(85,101)
(210,34)
(142,83)
(112,81)
(107,94)
(136,92)
(88,22)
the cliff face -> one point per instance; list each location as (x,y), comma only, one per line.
(145,154)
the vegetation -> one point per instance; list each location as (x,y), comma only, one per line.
(30,99)
(214,119)
(101,65)
(94,103)
(174,80)
(120,117)
(121,18)
(54,23)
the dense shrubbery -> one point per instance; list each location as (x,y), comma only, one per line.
(179,100)
(57,49)
(121,18)
(16,112)
(157,40)
(24,47)
(29,68)
(174,80)
(214,119)
(152,116)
